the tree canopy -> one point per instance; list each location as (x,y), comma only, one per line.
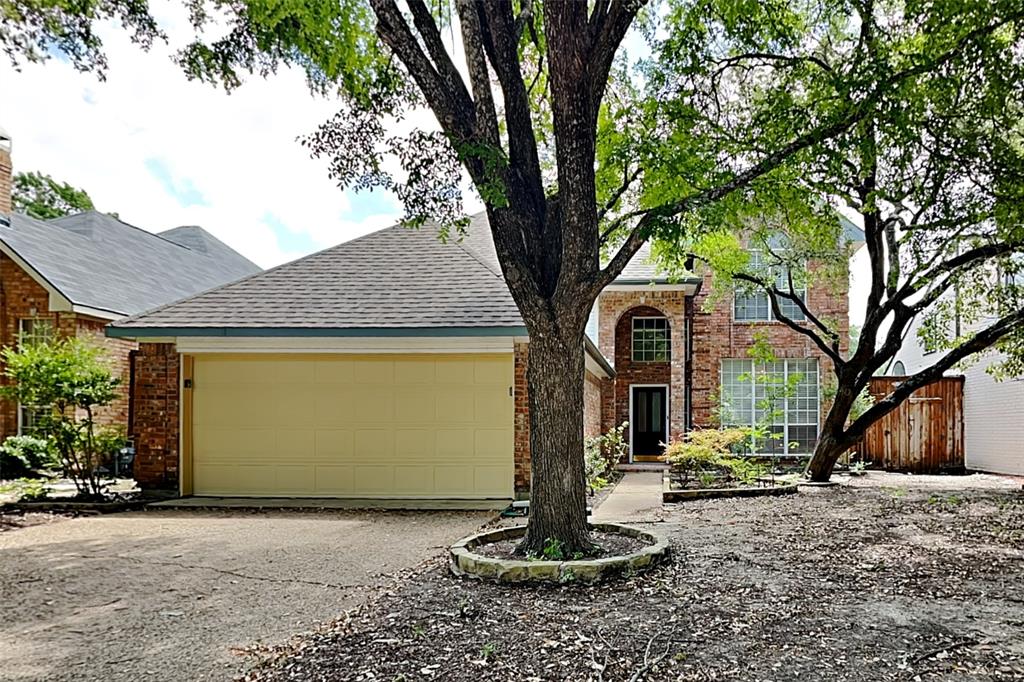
(590,128)
(40,196)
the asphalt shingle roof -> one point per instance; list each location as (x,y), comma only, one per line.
(397,278)
(98,261)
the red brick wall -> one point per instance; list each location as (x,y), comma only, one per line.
(616,310)
(156,415)
(118,355)
(22,297)
(716,337)
(591,406)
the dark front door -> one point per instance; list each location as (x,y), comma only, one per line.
(650,405)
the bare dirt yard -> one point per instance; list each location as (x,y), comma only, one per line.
(892,578)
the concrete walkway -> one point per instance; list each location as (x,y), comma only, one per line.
(637,497)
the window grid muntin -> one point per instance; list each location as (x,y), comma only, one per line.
(755,306)
(33,330)
(651,340)
(800,412)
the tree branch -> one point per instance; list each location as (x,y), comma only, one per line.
(979,342)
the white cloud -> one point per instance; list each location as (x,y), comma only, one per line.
(234,157)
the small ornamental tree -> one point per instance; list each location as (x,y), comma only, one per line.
(587,129)
(67,380)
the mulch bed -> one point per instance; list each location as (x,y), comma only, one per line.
(610,544)
(838,584)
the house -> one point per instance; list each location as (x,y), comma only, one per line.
(71,276)
(993,428)
(394,366)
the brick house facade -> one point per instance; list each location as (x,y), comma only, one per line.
(23,299)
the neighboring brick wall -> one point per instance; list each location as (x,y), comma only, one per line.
(616,310)
(716,337)
(22,297)
(522,421)
(156,415)
(118,356)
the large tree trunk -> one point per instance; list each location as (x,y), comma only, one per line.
(833,440)
(558,503)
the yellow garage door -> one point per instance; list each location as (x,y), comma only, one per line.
(384,426)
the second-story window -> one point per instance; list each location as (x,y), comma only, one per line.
(651,340)
(754,305)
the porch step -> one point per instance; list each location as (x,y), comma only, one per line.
(642,466)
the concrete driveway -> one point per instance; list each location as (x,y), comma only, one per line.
(168,595)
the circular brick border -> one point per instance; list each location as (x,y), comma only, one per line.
(463,561)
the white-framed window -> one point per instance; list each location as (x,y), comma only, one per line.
(29,419)
(651,341)
(33,330)
(754,304)
(899,369)
(785,393)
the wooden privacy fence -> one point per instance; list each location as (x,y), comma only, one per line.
(924,435)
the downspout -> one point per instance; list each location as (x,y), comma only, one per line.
(688,314)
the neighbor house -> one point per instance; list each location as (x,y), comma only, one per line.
(71,276)
(394,366)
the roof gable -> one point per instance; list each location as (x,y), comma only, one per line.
(99,262)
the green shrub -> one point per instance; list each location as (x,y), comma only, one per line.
(107,443)
(20,455)
(601,453)
(708,455)
(31,490)
(72,377)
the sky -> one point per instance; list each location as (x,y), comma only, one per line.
(162,151)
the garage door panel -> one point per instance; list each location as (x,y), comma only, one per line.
(333,405)
(453,480)
(454,405)
(234,444)
(373,444)
(416,371)
(490,478)
(336,444)
(373,371)
(333,480)
(414,478)
(333,372)
(493,444)
(373,480)
(414,443)
(375,404)
(489,406)
(295,444)
(414,405)
(357,426)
